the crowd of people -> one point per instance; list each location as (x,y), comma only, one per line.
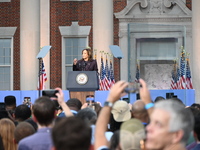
(59,124)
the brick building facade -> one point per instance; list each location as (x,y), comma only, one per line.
(62,13)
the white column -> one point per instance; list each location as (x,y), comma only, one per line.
(102,26)
(45,35)
(29,43)
(196,48)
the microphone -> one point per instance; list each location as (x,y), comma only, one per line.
(84,65)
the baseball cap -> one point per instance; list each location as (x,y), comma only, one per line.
(121,111)
(131,133)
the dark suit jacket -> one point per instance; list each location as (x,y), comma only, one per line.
(82,65)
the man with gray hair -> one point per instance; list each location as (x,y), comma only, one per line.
(170,126)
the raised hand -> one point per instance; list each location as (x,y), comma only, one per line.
(75,61)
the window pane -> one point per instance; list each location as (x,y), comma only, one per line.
(1,60)
(75,41)
(1,42)
(7,52)
(6,86)
(68,43)
(7,56)
(7,77)
(7,70)
(68,68)
(69,46)
(7,43)
(4,78)
(1,76)
(5,59)
(82,41)
(69,59)
(73,49)
(158,48)
(1,51)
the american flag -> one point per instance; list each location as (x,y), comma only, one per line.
(182,70)
(107,70)
(112,78)
(107,73)
(137,75)
(172,81)
(177,78)
(188,75)
(103,83)
(173,85)
(43,77)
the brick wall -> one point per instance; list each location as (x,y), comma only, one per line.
(61,14)
(119,5)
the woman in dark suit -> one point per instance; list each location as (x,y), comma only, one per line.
(86,63)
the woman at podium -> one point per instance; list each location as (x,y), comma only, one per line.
(87,63)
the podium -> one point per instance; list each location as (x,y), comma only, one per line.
(82,83)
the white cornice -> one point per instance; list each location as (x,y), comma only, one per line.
(144,8)
(184,19)
(74,30)
(7,32)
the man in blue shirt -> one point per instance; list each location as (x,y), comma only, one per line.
(43,113)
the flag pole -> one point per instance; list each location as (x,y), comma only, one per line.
(40,72)
(119,58)
(42,53)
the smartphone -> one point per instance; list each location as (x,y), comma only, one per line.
(49,93)
(132,87)
(27,101)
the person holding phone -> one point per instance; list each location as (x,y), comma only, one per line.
(87,63)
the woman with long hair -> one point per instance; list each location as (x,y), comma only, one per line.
(7,128)
(1,144)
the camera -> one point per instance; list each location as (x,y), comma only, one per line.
(49,93)
(132,87)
